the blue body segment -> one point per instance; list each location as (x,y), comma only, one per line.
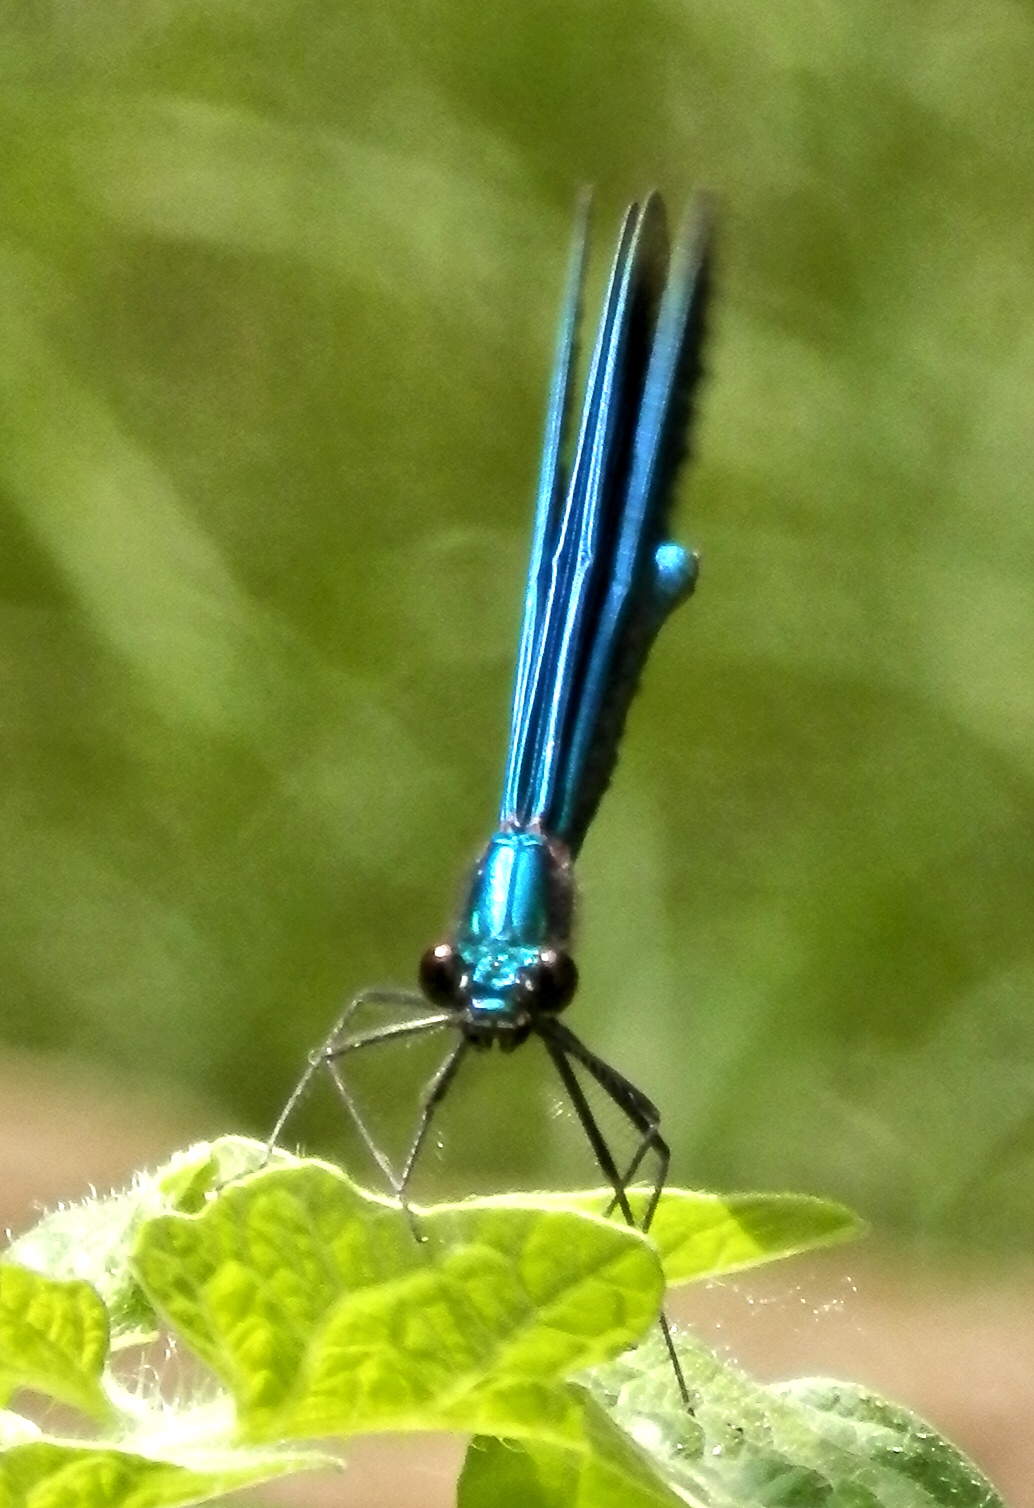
(519,905)
(603,576)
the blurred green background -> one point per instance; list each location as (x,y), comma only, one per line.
(278,285)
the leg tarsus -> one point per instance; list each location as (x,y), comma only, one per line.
(338,1045)
(676,1365)
(435,1093)
(562,1044)
(639,1111)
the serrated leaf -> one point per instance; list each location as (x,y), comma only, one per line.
(323,1314)
(784,1445)
(52,1473)
(53,1339)
(896,1442)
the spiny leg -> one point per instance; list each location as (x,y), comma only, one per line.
(330,1058)
(643,1114)
(335,1048)
(433,1096)
(319,1056)
(601,1151)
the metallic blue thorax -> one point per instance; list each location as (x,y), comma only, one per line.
(519,903)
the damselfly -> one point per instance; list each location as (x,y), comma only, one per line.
(602,578)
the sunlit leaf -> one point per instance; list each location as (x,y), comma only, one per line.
(53,1339)
(323,1313)
(50,1472)
(702,1235)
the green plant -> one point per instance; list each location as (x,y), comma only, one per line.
(310,1311)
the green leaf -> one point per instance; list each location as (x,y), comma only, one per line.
(188,1179)
(900,1446)
(601,1469)
(782,1446)
(323,1314)
(508,1474)
(93,1241)
(53,1339)
(702,1235)
(67,1474)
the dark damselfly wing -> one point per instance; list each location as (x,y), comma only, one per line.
(642,589)
(598,595)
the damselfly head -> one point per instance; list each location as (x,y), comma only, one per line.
(499,995)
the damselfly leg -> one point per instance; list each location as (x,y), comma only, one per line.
(562,1045)
(643,1115)
(341,1043)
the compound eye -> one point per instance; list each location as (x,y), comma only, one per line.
(439,974)
(555,979)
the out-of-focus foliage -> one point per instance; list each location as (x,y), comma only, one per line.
(277,289)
